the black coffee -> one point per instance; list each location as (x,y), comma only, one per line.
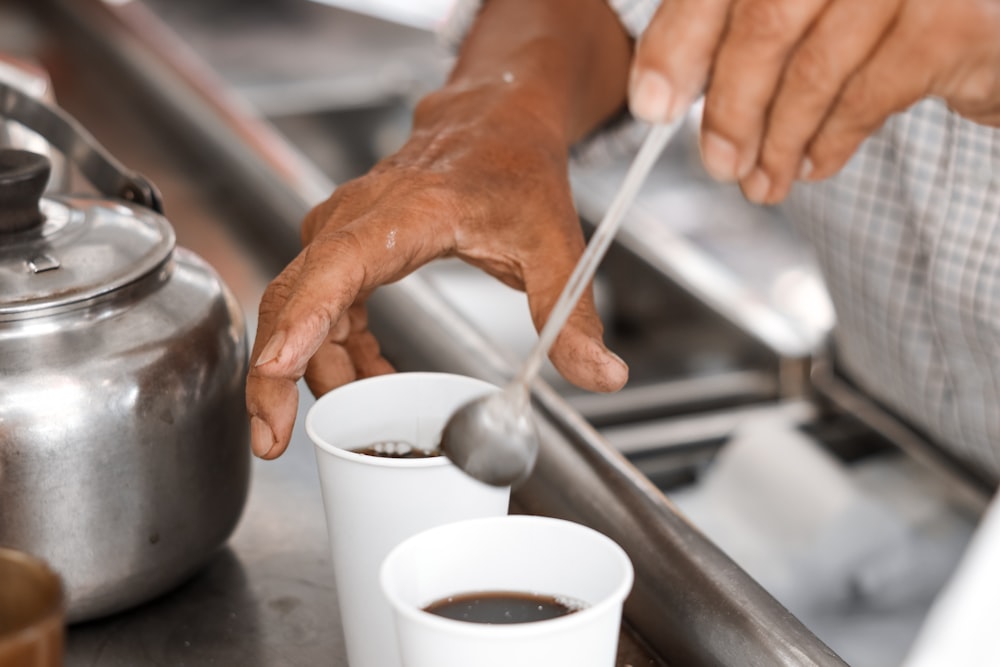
(499,607)
(394,449)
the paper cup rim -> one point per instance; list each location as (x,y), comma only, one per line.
(519,630)
(323,444)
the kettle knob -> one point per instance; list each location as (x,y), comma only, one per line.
(23,177)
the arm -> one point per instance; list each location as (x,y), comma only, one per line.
(482,177)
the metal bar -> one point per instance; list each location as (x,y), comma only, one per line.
(682,395)
(971,490)
(691,603)
(692,429)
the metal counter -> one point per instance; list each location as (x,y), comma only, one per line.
(235,191)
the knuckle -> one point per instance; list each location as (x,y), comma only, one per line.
(830,151)
(978,90)
(857,100)
(275,295)
(340,251)
(762,20)
(811,69)
(778,153)
(722,112)
(349,197)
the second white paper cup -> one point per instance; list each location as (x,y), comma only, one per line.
(373,503)
(520,554)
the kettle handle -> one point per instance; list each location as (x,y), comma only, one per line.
(104,172)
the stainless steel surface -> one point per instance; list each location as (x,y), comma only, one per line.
(494,439)
(682,396)
(87,247)
(123,453)
(29,77)
(711,428)
(70,139)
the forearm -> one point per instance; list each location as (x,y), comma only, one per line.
(563,61)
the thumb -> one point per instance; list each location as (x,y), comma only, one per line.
(579,353)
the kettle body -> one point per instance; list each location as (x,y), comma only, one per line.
(124,455)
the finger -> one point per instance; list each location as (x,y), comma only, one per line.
(272,409)
(272,403)
(896,76)
(748,65)
(346,356)
(673,57)
(338,266)
(330,367)
(350,201)
(578,353)
(329,278)
(363,347)
(846,33)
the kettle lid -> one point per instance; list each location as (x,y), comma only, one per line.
(61,251)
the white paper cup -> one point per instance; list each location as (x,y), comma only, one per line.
(374,503)
(526,554)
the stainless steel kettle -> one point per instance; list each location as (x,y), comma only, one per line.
(124,456)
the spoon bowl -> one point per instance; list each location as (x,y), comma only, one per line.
(494,438)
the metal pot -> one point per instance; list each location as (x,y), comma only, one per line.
(124,457)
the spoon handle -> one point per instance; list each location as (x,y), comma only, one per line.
(644,160)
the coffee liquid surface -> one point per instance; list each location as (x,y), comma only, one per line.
(395,449)
(501,607)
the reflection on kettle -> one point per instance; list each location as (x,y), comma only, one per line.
(123,434)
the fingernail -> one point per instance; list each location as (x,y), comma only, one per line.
(615,380)
(806,170)
(757,186)
(272,349)
(651,97)
(611,353)
(261,437)
(719,156)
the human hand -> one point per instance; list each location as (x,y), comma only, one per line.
(792,87)
(481,181)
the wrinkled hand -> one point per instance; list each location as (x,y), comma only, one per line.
(792,87)
(493,191)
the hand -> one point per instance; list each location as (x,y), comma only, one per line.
(481,180)
(792,87)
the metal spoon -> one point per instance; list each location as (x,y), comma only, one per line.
(494,438)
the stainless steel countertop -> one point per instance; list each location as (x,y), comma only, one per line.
(265,599)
